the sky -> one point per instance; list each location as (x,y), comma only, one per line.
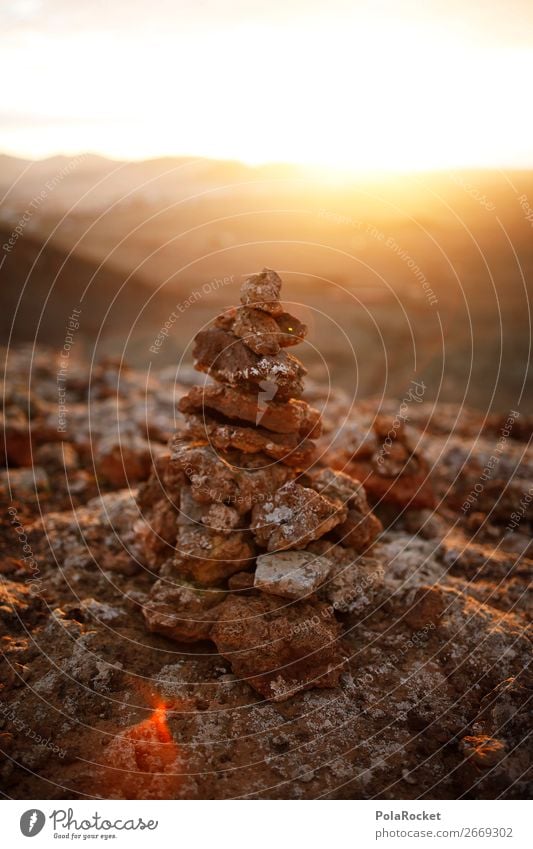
(389,85)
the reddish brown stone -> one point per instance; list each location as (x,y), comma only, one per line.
(279,648)
(292,331)
(262,291)
(217,517)
(228,360)
(258,330)
(241,582)
(412,492)
(185,613)
(208,557)
(294,416)
(15,439)
(361,527)
(232,478)
(287,448)
(293,516)
(126,460)
(156,532)
(261,332)
(225,319)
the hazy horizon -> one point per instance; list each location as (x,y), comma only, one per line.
(393,88)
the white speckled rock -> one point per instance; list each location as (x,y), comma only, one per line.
(291,574)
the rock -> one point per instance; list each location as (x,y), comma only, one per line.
(24,485)
(241,581)
(294,416)
(221,517)
(226,358)
(123,461)
(228,477)
(410,562)
(361,527)
(427,607)
(20,605)
(292,330)
(434,653)
(156,533)
(208,557)
(293,516)
(262,291)
(287,448)
(217,517)
(101,535)
(359,530)
(184,613)
(291,574)
(258,330)
(355,582)
(279,650)
(165,481)
(496,751)
(16,438)
(57,457)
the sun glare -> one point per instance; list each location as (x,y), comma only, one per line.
(348,97)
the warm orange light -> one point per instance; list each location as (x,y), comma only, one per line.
(144,762)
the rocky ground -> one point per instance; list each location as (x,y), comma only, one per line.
(434,693)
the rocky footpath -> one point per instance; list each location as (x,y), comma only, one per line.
(235,586)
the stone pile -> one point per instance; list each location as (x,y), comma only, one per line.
(256,544)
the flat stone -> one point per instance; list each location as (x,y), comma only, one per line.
(228,360)
(291,574)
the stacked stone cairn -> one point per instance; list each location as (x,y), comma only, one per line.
(256,545)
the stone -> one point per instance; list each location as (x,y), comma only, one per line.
(124,460)
(241,582)
(164,481)
(262,291)
(355,582)
(359,530)
(221,517)
(294,416)
(339,487)
(292,330)
(57,457)
(287,448)
(16,438)
(185,613)
(231,478)
(361,526)
(279,649)
(226,358)
(209,557)
(395,474)
(217,517)
(291,574)
(258,330)
(293,516)
(156,532)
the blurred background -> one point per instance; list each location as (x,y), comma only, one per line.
(379,157)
